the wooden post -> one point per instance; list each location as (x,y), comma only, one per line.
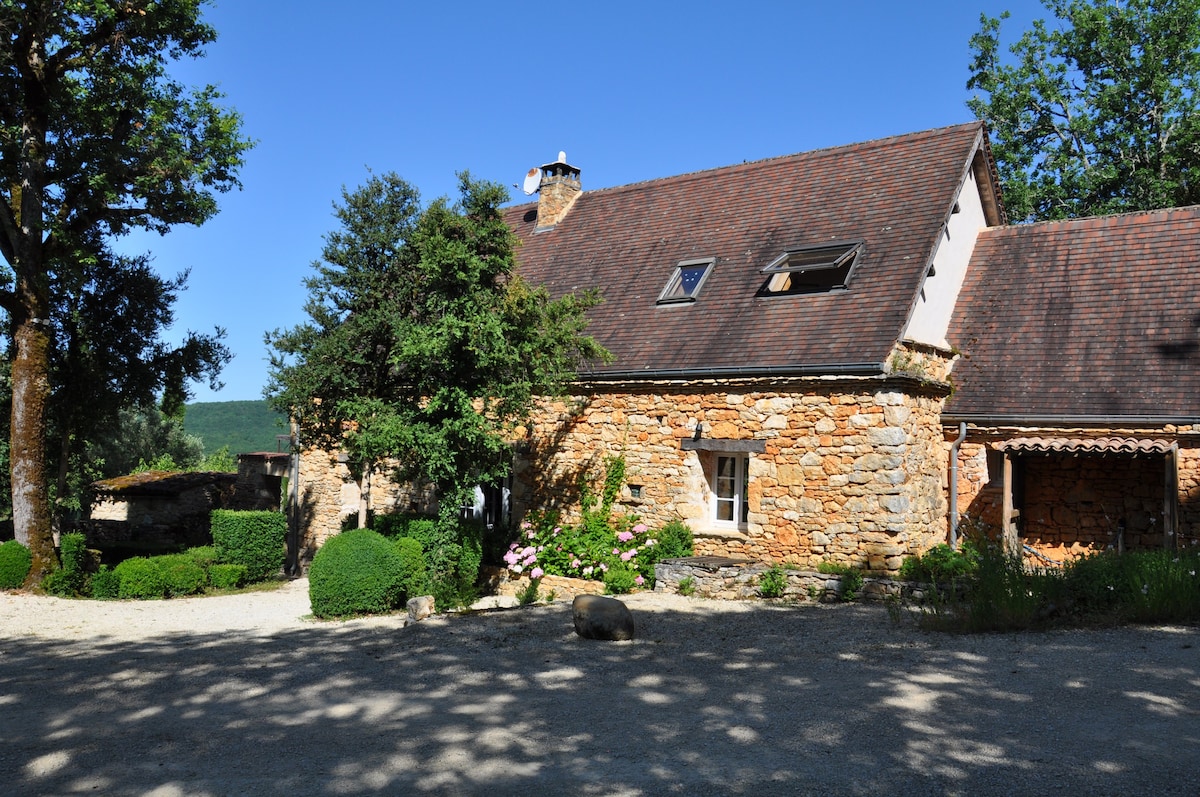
(1171,498)
(1010,513)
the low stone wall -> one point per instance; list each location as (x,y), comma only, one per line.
(737,579)
(499,581)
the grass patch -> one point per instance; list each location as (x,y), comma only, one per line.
(999,592)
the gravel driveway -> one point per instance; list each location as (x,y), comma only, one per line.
(243,695)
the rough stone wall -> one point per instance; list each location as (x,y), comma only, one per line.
(329,494)
(853,471)
(159,509)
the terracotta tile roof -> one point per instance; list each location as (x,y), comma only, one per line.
(894,194)
(1084,445)
(1090,317)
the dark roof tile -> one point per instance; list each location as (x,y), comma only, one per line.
(894,194)
(1090,317)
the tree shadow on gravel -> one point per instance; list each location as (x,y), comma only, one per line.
(824,701)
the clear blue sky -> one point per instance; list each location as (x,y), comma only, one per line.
(630,90)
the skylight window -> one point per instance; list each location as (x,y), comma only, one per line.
(686,281)
(811,269)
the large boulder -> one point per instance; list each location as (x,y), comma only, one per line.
(598,617)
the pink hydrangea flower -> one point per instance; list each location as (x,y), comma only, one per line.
(627,555)
(639,581)
(641,528)
(536,572)
(529,560)
(625,536)
(616,551)
(575,563)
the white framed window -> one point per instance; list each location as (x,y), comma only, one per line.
(729,482)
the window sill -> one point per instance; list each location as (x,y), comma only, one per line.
(722,534)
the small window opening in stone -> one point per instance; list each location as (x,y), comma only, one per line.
(686,281)
(811,269)
(995,467)
(635,491)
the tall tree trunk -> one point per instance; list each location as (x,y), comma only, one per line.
(32,333)
(30,396)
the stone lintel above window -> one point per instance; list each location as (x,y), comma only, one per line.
(724,446)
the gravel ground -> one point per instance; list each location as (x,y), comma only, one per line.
(244,695)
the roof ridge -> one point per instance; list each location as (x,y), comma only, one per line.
(684,176)
(1126,215)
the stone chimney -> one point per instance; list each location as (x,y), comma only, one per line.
(557,193)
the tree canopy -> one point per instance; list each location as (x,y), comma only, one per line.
(424,347)
(1096,112)
(95,139)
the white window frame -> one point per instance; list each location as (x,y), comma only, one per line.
(729,491)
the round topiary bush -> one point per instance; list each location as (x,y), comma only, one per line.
(15,561)
(356,572)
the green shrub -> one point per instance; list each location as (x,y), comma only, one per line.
(71,578)
(253,539)
(850,578)
(773,582)
(687,586)
(941,564)
(453,551)
(674,541)
(105,584)
(531,592)
(619,580)
(223,576)
(15,562)
(412,565)
(140,579)
(356,572)
(180,574)
(203,555)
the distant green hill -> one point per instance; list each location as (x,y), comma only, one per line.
(244,426)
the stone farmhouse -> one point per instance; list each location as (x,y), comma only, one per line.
(839,355)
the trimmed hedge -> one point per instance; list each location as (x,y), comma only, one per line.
(181,574)
(106,584)
(72,577)
(255,540)
(414,573)
(141,579)
(356,572)
(15,562)
(226,576)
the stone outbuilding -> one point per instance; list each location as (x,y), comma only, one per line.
(1078,392)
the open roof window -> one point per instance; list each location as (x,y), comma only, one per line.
(686,281)
(811,269)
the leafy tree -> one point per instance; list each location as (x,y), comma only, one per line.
(146,438)
(109,358)
(95,139)
(424,347)
(1095,114)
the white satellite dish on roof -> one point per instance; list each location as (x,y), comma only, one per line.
(533,181)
